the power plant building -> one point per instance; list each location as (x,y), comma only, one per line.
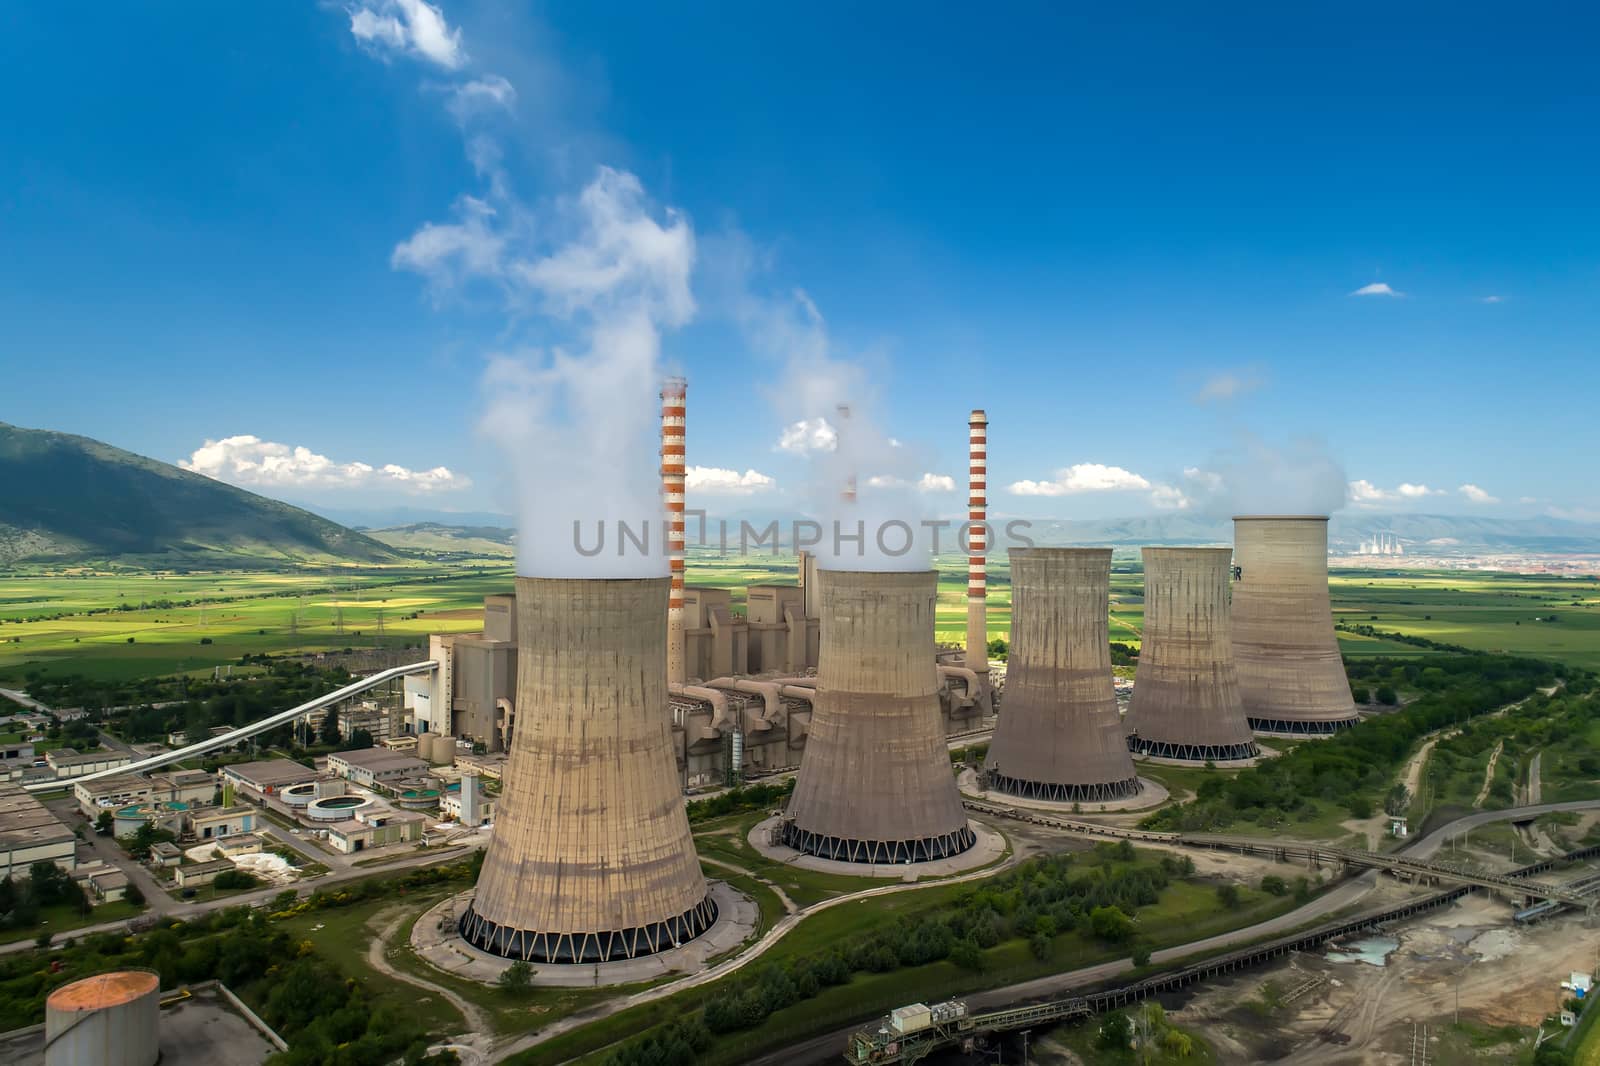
(1186,703)
(592,859)
(1291,674)
(1060,736)
(875,784)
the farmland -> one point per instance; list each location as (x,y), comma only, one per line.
(120,625)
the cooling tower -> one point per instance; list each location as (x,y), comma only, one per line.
(1291,676)
(1186,693)
(875,782)
(591,859)
(1060,736)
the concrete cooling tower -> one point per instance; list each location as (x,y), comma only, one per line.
(592,859)
(1059,736)
(1291,675)
(875,782)
(1185,693)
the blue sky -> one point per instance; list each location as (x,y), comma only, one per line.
(1134,240)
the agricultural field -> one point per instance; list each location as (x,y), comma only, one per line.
(123,626)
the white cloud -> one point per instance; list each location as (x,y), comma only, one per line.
(1377,288)
(1414,492)
(447,253)
(925,483)
(1477,495)
(249,460)
(1080,478)
(808,435)
(1170,498)
(1229,385)
(1364,493)
(1492,300)
(718,481)
(413,26)
(1527,499)
(481,94)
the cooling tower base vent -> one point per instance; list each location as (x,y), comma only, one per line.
(1300,728)
(841,849)
(610,946)
(1161,749)
(1044,790)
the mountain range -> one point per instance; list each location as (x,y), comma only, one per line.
(67,498)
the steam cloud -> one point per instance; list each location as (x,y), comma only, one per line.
(1254,477)
(579,428)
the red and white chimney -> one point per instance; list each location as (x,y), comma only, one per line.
(977,658)
(674,404)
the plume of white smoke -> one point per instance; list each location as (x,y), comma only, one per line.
(578,424)
(1254,477)
(860,487)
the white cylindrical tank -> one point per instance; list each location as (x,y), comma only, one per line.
(111,1019)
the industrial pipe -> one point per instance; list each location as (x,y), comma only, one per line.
(721,715)
(767,690)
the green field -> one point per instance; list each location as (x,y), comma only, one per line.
(120,626)
(82,621)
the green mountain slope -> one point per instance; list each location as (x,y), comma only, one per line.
(64,498)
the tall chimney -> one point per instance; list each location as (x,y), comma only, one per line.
(977,658)
(1060,737)
(875,784)
(1186,692)
(591,859)
(674,407)
(1291,675)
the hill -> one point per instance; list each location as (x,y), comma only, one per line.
(66,498)
(434,538)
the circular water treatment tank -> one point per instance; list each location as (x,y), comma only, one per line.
(111,1019)
(335,808)
(299,795)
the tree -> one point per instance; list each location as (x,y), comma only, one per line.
(134,894)
(1116,1032)
(1228,895)
(359,739)
(1039,944)
(1110,924)
(1141,955)
(1387,695)
(329,733)
(1273,885)
(104,822)
(516,978)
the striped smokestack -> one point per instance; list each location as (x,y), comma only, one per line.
(674,404)
(977,543)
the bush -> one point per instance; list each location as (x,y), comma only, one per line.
(1228,895)
(228,879)
(516,977)
(1387,695)
(1273,885)
(1116,1032)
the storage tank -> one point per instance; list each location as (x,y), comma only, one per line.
(111,1019)
(1291,674)
(875,782)
(1186,702)
(1060,737)
(592,859)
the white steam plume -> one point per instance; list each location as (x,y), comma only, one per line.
(1254,477)
(579,427)
(859,478)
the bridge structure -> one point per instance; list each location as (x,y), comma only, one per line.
(244,732)
(881,1045)
(1315,855)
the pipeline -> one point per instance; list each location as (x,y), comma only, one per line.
(721,715)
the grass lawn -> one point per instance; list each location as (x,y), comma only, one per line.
(62,919)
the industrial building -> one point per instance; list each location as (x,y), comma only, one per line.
(592,859)
(1291,673)
(267,777)
(29,833)
(875,784)
(1186,702)
(1060,737)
